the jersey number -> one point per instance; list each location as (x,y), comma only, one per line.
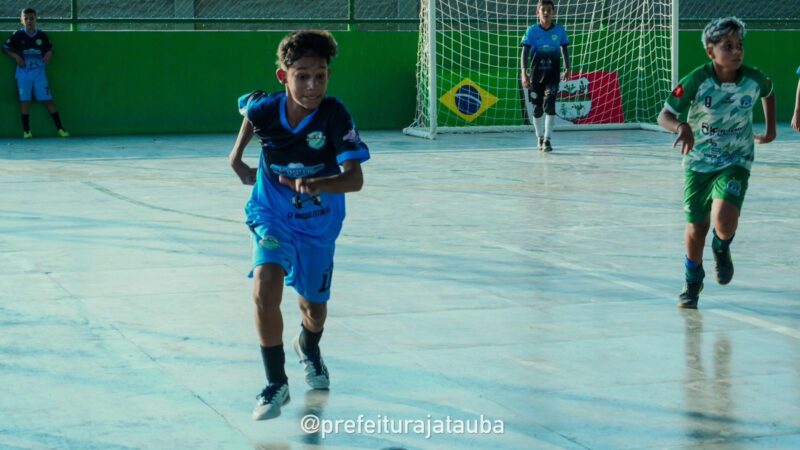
(327,278)
(708,102)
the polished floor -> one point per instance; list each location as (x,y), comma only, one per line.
(486,296)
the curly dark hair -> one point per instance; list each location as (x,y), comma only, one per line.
(545,2)
(304,43)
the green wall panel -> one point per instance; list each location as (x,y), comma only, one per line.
(187,82)
(108,83)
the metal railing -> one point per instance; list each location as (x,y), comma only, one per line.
(218,14)
(90,15)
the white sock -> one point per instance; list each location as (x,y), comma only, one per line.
(538,126)
(548,125)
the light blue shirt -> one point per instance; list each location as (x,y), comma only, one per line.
(544,41)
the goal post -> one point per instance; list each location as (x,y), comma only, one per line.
(623,55)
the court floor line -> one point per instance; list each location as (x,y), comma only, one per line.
(557,261)
(755,321)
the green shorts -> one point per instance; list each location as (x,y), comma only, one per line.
(700,189)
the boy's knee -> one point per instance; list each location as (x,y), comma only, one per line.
(724,230)
(267,285)
(264,299)
(313,311)
(698,229)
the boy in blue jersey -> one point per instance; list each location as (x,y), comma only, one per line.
(718,148)
(311,155)
(32,50)
(796,115)
(546,41)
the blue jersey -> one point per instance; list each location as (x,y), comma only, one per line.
(316,147)
(32,48)
(546,50)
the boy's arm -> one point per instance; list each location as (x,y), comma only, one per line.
(14,56)
(524,61)
(670,122)
(48,56)
(350,180)
(245,172)
(567,65)
(796,116)
(769,118)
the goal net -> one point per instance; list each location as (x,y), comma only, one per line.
(623,55)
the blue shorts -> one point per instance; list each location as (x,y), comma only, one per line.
(38,86)
(308,268)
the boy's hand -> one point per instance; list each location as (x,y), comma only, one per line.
(796,121)
(20,61)
(567,73)
(301,185)
(686,135)
(250,178)
(47,57)
(766,138)
(525,82)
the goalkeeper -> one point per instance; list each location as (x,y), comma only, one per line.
(544,41)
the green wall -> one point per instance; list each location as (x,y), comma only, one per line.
(187,82)
(108,83)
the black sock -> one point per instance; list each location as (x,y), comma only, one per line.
(57,121)
(26,122)
(309,341)
(274,361)
(718,245)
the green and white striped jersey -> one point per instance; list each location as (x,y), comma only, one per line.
(721,116)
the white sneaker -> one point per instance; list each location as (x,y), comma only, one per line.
(270,400)
(316,372)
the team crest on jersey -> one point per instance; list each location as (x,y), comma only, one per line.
(316,140)
(352,136)
(734,187)
(678,91)
(38,42)
(554,37)
(746,102)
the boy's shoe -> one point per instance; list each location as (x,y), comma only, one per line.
(27,135)
(547,147)
(316,372)
(541,144)
(63,133)
(690,295)
(723,267)
(270,400)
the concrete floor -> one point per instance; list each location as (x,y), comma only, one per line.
(480,286)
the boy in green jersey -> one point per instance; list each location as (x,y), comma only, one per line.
(717,144)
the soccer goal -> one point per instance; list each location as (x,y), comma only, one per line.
(623,55)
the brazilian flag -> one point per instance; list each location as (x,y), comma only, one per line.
(468,100)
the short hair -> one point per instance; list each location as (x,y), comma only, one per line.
(297,45)
(718,29)
(28,11)
(545,2)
